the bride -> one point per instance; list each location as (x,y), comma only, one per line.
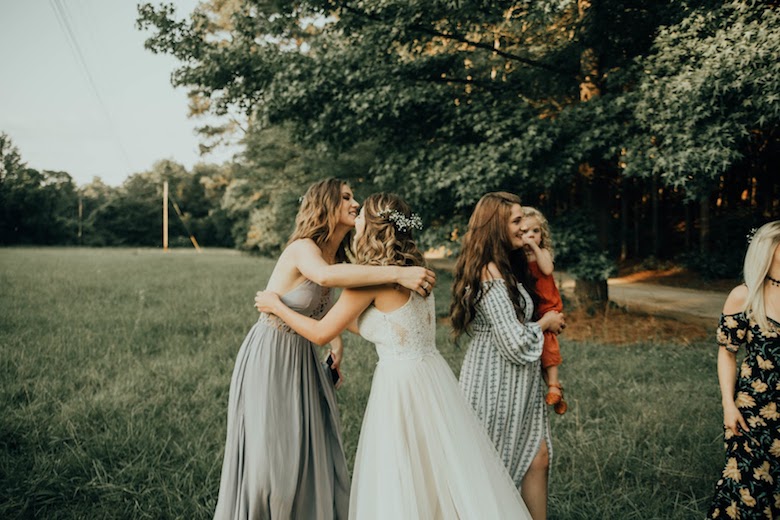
(422,452)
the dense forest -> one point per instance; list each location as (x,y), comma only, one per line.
(646,130)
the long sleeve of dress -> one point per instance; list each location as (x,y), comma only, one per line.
(518,342)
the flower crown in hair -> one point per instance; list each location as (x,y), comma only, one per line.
(401,221)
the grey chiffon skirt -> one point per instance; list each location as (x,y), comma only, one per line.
(284,457)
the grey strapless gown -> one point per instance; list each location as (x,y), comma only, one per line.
(284,457)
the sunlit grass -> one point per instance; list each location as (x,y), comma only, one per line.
(115,368)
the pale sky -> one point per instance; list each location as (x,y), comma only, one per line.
(116,118)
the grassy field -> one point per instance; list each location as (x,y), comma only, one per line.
(115,366)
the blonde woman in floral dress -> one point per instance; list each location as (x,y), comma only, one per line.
(750,484)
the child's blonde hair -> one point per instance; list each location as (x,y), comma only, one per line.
(546,242)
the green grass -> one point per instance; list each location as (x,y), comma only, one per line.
(115,367)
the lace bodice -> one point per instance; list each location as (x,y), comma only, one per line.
(409,332)
(307,298)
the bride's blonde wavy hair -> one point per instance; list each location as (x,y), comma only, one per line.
(318,215)
(382,243)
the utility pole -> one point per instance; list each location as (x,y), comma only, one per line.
(165,216)
(81,214)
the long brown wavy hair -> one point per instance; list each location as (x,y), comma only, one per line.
(318,215)
(487,240)
(382,242)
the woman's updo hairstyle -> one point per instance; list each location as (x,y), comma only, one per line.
(387,238)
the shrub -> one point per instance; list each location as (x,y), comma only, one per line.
(576,249)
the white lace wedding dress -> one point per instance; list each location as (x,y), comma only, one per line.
(422,453)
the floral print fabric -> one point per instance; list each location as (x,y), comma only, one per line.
(749,487)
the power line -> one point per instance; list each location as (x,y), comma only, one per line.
(63,18)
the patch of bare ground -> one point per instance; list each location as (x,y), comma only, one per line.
(680,277)
(616,326)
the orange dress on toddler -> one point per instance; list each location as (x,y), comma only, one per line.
(549,300)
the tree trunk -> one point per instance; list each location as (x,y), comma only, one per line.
(638,223)
(593,294)
(704,224)
(623,219)
(688,225)
(655,216)
(597,190)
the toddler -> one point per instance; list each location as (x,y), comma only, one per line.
(539,252)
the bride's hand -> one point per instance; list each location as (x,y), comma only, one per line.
(265,301)
(337,355)
(337,350)
(418,279)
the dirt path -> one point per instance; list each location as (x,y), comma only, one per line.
(667,301)
(660,300)
(649,312)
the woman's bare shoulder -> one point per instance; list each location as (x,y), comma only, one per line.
(735,302)
(301,245)
(491,272)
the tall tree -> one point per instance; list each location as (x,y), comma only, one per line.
(469,96)
(35,207)
(485,96)
(708,94)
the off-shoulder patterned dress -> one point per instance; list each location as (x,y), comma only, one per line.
(749,487)
(502,377)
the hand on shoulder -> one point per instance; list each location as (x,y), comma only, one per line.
(735,302)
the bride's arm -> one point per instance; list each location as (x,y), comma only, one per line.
(353,327)
(308,259)
(349,306)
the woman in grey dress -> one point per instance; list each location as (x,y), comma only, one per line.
(283,452)
(501,373)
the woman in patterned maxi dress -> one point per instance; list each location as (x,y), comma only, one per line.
(501,374)
(283,452)
(749,487)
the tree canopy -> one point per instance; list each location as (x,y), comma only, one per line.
(613,107)
(651,121)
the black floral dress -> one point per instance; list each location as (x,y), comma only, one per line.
(750,485)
